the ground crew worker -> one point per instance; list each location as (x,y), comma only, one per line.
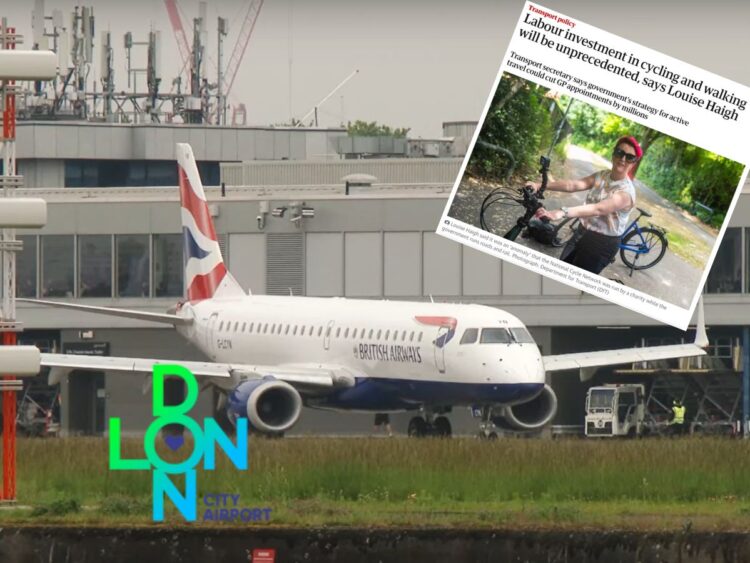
(678,417)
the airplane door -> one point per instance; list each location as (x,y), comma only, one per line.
(327,335)
(210,328)
(439,347)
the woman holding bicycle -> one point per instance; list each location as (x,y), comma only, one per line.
(604,216)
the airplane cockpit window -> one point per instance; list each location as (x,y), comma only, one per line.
(521,335)
(495,335)
(470,336)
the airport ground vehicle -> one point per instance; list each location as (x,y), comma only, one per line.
(615,410)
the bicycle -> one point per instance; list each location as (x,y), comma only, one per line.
(640,247)
(636,243)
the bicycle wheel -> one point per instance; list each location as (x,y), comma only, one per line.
(642,249)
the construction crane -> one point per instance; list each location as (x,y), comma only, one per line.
(241,45)
(314,110)
(179,31)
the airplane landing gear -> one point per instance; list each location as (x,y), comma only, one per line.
(487,429)
(429,425)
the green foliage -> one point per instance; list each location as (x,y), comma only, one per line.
(680,172)
(60,507)
(374,129)
(520,120)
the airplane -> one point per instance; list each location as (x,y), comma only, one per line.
(270,355)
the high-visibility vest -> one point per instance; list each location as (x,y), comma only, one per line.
(679,415)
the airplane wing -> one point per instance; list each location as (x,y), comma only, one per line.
(585,361)
(316,377)
(127,313)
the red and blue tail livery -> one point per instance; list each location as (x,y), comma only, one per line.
(206,276)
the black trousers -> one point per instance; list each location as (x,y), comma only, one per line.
(589,250)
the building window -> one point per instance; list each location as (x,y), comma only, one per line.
(57,266)
(168,269)
(26,267)
(95,266)
(726,272)
(132,265)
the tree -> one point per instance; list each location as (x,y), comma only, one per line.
(374,129)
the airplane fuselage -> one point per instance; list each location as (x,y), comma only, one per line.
(401,354)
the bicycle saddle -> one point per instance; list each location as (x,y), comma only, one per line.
(644,213)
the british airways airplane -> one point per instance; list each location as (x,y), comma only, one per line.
(271,355)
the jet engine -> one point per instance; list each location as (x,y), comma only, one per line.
(531,415)
(271,406)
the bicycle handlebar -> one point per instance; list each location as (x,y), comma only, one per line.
(530,202)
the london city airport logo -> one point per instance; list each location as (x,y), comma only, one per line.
(205,440)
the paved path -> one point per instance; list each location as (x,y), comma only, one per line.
(673,280)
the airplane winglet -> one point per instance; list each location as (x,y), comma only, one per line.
(701,338)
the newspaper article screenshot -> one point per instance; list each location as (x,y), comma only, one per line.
(604,165)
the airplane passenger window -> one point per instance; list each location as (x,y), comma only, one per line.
(338,331)
(221,325)
(328,331)
(244,327)
(320,330)
(346,333)
(370,335)
(495,335)
(236,325)
(379,333)
(395,335)
(387,334)
(294,331)
(251,327)
(312,329)
(470,336)
(286,330)
(265,327)
(420,337)
(403,336)
(411,336)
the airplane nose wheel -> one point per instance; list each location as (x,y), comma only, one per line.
(487,429)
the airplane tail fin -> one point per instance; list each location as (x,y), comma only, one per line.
(206,276)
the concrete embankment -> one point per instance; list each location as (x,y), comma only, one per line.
(198,544)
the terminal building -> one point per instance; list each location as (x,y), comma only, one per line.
(113,239)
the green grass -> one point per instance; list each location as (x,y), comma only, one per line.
(313,481)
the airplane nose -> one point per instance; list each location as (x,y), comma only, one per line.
(535,368)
